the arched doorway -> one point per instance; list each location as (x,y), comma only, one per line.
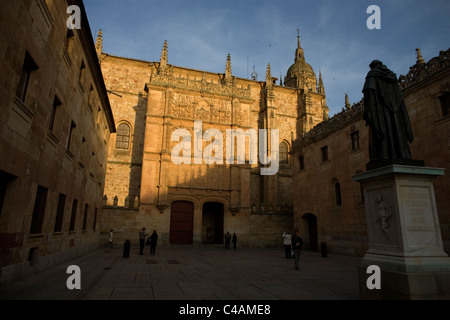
(312,231)
(182,222)
(212,223)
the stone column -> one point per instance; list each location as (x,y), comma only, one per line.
(198,222)
(404,234)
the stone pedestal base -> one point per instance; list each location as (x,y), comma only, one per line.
(426,278)
(404,234)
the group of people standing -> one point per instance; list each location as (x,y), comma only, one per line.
(293,245)
(147,239)
(229,238)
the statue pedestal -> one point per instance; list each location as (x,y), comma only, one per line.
(404,235)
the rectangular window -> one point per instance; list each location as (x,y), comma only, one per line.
(37,220)
(445,104)
(73,216)
(337,189)
(324,153)
(68,44)
(2,194)
(95,219)
(85,217)
(355,140)
(56,105)
(302,163)
(29,65)
(82,70)
(60,213)
(5,179)
(71,132)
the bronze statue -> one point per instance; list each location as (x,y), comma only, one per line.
(385,113)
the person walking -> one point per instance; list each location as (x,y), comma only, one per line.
(153,242)
(110,238)
(287,243)
(234,240)
(142,236)
(227,240)
(297,245)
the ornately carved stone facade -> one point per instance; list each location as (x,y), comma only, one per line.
(198,203)
(329,206)
(55,125)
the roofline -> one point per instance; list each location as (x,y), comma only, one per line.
(88,44)
(156,63)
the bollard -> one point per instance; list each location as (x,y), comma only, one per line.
(126,249)
(323,246)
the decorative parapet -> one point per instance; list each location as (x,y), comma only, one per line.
(421,70)
(346,116)
(168,80)
(116,203)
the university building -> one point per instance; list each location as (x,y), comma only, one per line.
(329,206)
(55,127)
(198,202)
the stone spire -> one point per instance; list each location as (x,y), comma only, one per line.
(419,56)
(347,102)
(299,54)
(320,87)
(254,74)
(269,76)
(269,84)
(164,58)
(99,43)
(228,78)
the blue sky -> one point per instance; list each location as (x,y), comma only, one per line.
(334,35)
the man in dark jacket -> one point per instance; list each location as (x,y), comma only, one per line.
(297,245)
(153,242)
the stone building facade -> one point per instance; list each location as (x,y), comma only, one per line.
(329,206)
(55,121)
(197,201)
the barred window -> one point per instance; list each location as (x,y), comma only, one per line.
(324,153)
(355,140)
(302,162)
(123,137)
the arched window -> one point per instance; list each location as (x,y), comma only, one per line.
(284,153)
(123,136)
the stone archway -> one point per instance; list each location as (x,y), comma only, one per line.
(312,239)
(212,223)
(182,222)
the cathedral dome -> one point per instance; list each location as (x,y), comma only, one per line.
(298,68)
(300,73)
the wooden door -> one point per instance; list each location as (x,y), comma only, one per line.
(182,223)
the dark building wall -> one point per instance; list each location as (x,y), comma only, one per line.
(55,122)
